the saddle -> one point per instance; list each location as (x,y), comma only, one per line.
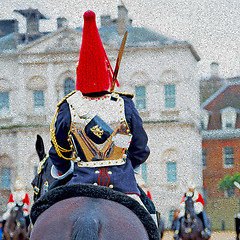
(86,190)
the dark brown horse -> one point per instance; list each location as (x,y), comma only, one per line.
(15,227)
(191,227)
(99,213)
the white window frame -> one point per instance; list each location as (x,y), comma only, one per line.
(229,116)
(66,86)
(8,178)
(38,107)
(171,173)
(140,98)
(169,97)
(228,156)
(5,107)
(144,172)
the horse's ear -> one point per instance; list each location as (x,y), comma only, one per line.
(40,147)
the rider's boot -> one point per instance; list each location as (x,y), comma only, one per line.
(206,232)
(176,232)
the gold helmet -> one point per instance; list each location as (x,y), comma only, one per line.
(191,184)
(18,186)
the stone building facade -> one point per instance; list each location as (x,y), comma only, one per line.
(161,72)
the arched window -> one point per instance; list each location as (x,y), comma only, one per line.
(69,86)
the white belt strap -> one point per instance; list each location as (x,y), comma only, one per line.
(103,163)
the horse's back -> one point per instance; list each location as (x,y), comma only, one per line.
(88,218)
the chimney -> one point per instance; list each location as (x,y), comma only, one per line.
(106,21)
(62,22)
(214,69)
(122,21)
(32,18)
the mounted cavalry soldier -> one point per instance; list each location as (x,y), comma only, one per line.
(97,135)
(198,208)
(20,197)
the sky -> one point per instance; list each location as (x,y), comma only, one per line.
(211,26)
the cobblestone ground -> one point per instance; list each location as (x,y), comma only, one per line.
(222,235)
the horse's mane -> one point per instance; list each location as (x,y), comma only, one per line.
(86,190)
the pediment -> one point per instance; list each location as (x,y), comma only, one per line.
(64,40)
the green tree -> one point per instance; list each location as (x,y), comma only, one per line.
(227,183)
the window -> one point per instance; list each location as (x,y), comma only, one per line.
(69,86)
(228,156)
(170,96)
(228,121)
(204,157)
(171,214)
(171,171)
(5,178)
(140,94)
(229,116)
(4,103)
(144,172)
(38,102)
(205,197)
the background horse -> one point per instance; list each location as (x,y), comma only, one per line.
(90,212)
(191,226)
(15,227)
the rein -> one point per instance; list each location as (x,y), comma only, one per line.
(190,218)
(40,170)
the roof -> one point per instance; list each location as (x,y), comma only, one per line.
(226,96)
(137,36)
(140,37)
(12,40)
(8,42)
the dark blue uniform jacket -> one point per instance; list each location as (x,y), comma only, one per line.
(120,178)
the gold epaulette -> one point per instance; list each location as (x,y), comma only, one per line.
(130,95)
(70,94)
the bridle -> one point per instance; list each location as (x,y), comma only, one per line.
(190,216)
(40,170)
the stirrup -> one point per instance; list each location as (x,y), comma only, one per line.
(176,235)
(206,232)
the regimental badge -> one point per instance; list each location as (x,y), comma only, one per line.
(97,131)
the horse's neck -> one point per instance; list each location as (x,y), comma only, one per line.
(190,213)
